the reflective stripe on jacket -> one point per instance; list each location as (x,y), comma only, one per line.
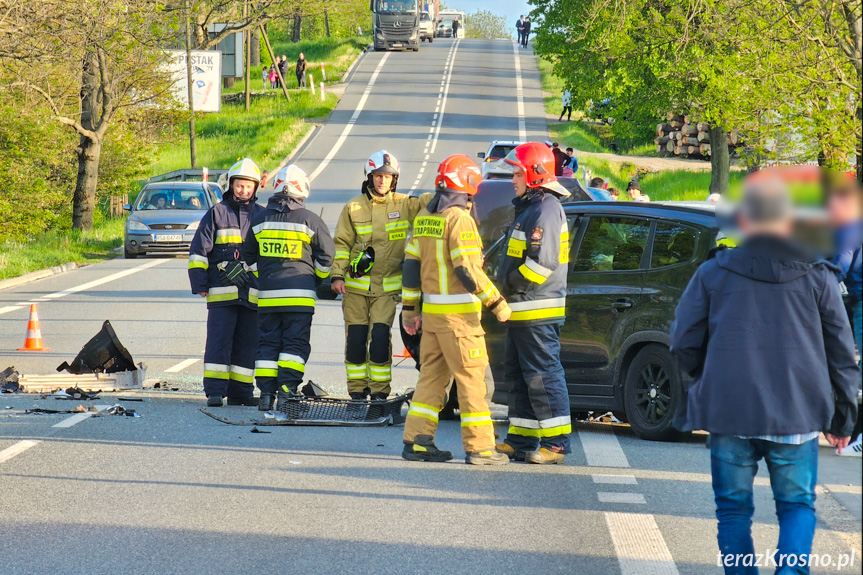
(443,242)
(532,273)
(290,250)
(219,239)
(382,224)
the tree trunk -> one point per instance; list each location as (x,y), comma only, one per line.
(256,48)
(84,198)
(295,33)
(327,22)
(859,144)
(720,161)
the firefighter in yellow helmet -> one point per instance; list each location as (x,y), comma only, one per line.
(370,245)
(443,266)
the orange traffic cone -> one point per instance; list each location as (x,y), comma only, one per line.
(402,354)
(34,333)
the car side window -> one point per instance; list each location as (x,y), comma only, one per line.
(672,244)
(612,244)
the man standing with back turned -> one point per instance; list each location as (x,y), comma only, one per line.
(764,334)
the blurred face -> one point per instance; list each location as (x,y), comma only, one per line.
(382,183)
(243,189)
(844,207)
(634,193)
(519,181)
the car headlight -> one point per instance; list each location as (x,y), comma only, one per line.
(193,226)
(138,226)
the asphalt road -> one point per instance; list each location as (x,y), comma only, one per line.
(176,492)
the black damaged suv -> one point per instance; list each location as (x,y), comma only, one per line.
(628,266)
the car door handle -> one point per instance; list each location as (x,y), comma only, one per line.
(621,304)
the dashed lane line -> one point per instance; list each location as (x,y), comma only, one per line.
(625,498)
(601,447)
(639,545)
(615,479)
(183,365)
(79,417)
(17,449)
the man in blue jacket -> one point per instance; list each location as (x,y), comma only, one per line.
(765,336)
(291,251)
(217,272)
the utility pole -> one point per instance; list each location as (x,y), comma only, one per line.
(192,145)
(247,76)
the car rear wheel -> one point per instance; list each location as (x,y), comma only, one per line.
(129,255)
(653,393)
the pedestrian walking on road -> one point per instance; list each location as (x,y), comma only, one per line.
(443,267)
(300,71)
(218,272)
(291,250)
(763,332)
(370,239)
(519,29)
(532,276)
(526,34)
(566,100)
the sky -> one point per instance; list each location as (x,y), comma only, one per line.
(509,8)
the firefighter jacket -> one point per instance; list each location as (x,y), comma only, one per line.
(382,224)
(532,273)
(219,239)
(290,250)
(443,266)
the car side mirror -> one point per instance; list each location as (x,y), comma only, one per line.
(481,155)
(127,207)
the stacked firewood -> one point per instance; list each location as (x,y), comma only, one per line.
(686,136)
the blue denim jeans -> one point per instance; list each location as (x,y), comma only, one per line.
(793,474)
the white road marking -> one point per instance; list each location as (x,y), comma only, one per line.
(615,479)
(627,498)
(519,93)
(183,365)
(9,308)
(79,417)
(350,125)
(445,94)
(14,450)
(601,447)
(104,280)
(639,545)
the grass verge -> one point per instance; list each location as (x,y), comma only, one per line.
(55,248)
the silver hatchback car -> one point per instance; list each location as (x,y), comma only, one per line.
(165,216)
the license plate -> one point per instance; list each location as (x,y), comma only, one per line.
(397,44)
(168,237)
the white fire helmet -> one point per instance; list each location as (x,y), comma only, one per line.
(381,162)
(293,182)
(245,169)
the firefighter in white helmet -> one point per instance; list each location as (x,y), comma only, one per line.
(218,272)
(370,246)
(290,249)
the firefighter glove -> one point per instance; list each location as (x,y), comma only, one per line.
(233,273)
(501,310)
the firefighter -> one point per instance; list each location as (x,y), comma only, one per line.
(370,246)
(532,275)
(217,272)
(290,250)
(443,265)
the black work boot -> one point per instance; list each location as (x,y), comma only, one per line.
(250,400)
(358,395)
(214,400)
(380,396)
(266,402)
(423,449)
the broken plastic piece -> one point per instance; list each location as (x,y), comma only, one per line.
(256,430)
(311,389)
(9,380)
(102,354)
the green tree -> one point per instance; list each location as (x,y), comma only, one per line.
(487,25)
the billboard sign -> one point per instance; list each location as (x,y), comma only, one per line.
(206,79)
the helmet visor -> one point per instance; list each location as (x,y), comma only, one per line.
(511,162)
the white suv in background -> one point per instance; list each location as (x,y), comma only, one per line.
(493,159)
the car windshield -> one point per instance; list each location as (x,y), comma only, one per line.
(425,17)
(171,200)
(400,6)
(498,152)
